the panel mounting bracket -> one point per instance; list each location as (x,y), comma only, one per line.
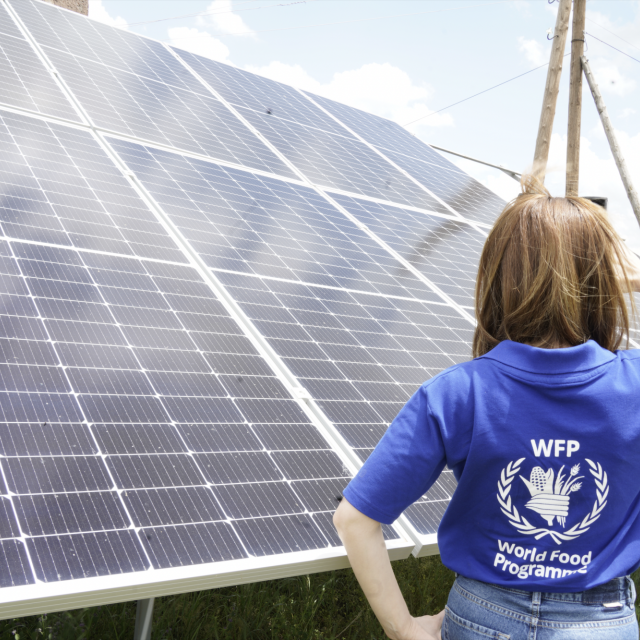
(144,617)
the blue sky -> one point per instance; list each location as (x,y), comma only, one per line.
(404,59)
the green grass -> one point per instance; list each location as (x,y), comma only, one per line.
(323,606)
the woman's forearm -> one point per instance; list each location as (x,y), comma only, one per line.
(363,540)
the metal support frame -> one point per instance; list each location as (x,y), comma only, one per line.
(144,617)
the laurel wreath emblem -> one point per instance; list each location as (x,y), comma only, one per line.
(525,527)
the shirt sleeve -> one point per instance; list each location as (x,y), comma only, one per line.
(407,461)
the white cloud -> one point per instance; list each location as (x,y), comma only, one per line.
(378,88)
(610,79)
(534,52)
(222,19)
(628,111)
(98,12)
(199,42)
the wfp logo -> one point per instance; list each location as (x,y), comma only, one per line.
(550,499)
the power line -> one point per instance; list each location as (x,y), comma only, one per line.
(613,34)
(325,24)
(495,86)
(610,45)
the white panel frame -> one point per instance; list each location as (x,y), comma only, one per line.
(43,597)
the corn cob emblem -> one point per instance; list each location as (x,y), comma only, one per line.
(551,499)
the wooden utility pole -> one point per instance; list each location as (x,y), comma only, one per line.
(611,137)
(543,142)
(575,98)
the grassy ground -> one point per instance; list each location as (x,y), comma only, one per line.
(324,606)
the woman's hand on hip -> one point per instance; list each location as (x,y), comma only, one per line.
(424,628)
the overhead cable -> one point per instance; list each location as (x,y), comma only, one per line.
(610,45)
(612,33)
(495,86)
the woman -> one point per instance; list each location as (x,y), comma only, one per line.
(542,431)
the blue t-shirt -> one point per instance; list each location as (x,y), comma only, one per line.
(545,445)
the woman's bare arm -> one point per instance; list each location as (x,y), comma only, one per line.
(363,540)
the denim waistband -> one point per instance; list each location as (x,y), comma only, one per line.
(616,590)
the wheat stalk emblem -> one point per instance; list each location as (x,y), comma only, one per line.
(550,499)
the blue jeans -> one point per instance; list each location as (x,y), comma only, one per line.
(479,611)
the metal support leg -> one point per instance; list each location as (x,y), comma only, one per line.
(144,616)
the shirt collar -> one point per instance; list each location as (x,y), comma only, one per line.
(536,360)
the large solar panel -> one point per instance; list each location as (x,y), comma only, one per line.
(146,422)
(214,299)
(362,341)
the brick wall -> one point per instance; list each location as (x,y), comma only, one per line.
(80,6)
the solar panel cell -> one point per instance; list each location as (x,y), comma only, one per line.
(14,564)
(178,546)
(281,534)
(52,514)
(172,506)
(86,555)
(55,474)
(8,524)
(263,499)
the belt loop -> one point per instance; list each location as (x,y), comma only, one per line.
(536,598)
(631,592)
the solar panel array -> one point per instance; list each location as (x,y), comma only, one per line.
(217,292)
